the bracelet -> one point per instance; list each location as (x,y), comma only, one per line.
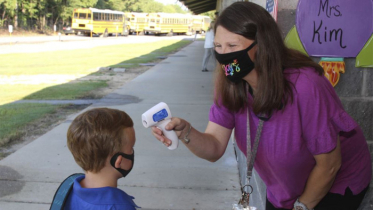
(186,139)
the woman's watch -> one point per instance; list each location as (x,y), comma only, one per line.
(300,206)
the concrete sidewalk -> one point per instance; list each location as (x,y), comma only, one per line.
(160,179)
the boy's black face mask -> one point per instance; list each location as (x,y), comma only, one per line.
(236,65)
(129,157)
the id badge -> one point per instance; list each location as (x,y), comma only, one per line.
(244,202)
(240,207)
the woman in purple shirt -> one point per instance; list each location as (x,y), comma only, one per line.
(311,153)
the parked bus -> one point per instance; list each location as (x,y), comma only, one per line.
(166,23)
(200,24)
(99,22)
(136,22)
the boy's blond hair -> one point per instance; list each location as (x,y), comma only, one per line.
(95,135)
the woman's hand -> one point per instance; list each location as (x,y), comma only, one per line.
(179,125)
(209,145)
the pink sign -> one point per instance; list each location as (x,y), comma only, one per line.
(334,28)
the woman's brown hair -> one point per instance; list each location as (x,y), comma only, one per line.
(272,58)
(95,135)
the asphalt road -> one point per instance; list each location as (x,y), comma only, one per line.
(63,42)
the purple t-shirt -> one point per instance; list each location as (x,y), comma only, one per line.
(292,136)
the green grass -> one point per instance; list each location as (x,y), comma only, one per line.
(84,61)
(75,62)
(67,91)
(10,93)
(14,117)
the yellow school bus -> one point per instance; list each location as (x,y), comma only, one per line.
(98,21)
(136,22)
(165,23)
(200,24)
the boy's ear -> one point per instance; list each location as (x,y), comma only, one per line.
(118,161)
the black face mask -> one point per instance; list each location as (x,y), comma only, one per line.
(236,65)
(129,157)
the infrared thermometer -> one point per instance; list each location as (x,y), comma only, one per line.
(159,116)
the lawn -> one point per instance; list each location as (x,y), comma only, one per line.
(75,62)
(15,117)
(85,61)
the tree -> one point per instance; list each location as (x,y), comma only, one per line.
(211,14)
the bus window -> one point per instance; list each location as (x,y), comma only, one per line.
(152,20)
(89,16)
(106,16)
(158,21)
(95,16)
(132,19)
(121,18)
(82,15)
(75,15)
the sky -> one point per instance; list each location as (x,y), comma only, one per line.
(172,2)
(167,1)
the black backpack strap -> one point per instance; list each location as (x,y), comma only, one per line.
(63,192)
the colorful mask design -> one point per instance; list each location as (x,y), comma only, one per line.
(236,65)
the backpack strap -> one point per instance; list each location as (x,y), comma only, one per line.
(63,192)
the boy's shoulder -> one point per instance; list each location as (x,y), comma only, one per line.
(92,198)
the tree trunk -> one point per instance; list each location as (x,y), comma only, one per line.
(43,24)
(16,16)
(3,16)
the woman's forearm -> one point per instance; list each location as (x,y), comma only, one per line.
(322,177)
(205,145)
(318,185)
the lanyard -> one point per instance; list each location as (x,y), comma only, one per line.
(251,152)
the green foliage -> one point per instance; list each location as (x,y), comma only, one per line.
(211,14)
(60,11)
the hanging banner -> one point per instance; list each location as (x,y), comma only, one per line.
(334,28)
(271,7)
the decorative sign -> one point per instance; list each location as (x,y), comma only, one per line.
(271,7)
(333,67)
(334,28)
(365,57)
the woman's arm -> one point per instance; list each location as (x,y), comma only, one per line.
(322,177)
(210,145)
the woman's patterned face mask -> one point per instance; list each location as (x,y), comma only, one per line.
(236,65)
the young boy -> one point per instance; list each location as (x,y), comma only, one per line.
(101,141)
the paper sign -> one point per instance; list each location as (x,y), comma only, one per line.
(271,7)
